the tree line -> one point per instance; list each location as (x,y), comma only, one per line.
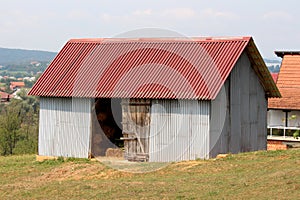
(19,125)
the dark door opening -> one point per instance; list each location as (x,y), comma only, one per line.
(107,126)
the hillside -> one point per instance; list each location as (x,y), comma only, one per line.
(17,56)
(257,175)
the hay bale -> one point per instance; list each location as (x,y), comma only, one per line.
(222,156)
(112,152)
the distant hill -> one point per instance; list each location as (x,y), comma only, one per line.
(16,56)
(272,60)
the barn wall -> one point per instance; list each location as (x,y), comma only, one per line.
(179,130)
(220,122)
(65,126)
(245,127)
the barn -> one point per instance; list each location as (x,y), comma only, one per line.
(157,99)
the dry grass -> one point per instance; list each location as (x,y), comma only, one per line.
(258,175)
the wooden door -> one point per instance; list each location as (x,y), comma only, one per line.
(136,128)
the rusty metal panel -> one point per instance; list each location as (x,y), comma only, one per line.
(65,127)
(145,68)
(179,130)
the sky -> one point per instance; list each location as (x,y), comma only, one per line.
(48,25)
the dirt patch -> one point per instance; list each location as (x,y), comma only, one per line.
(67,171)
(132,167)
(71,171)
(186,165)
(277,174)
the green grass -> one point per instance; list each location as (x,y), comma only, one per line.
(257,175)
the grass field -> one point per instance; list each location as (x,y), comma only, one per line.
(258,175)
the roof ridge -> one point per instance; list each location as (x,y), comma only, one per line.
(161,39)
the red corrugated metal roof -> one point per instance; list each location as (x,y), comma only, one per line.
(148,68)
(288,82)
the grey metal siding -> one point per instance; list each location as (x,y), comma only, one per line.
(65,127)
(179,130)
(262,111)
(220,122)
(245,126)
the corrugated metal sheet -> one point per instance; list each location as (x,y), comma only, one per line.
(148,68)
(65,127)
(288,82)
(238,116)
(179,130)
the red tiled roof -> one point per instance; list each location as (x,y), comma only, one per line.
(274,76)
(288,83)
(148,68)
(4,95)
(17,84)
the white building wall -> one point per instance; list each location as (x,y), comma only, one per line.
(294,118)
(179,130)
(277,118)
(65,127)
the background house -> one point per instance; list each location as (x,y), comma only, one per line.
(16,85)
(5,97)
(168,99)
(284,113)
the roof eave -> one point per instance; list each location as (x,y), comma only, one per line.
(283,53)
(261,70)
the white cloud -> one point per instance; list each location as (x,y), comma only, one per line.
(77,15)
(219,14)
(17,20)
(142,12)
(277,15)
(179,13)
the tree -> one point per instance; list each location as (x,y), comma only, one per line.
(9,126)
(19,125)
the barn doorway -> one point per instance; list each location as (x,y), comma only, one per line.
(107,128)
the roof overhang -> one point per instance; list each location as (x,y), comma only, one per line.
(283,53)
